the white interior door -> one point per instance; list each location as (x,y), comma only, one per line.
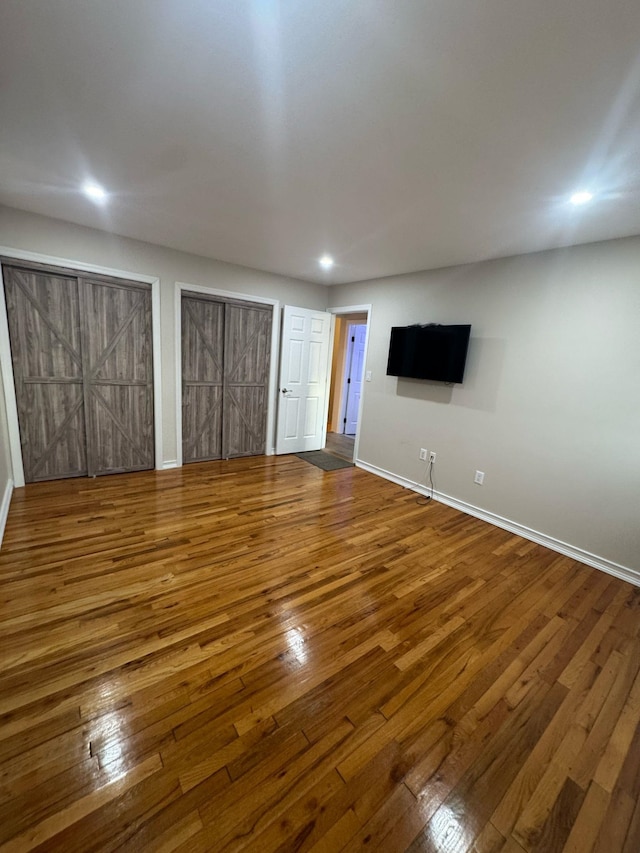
(355,366)
(304,366)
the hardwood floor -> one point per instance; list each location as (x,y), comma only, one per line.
(340,445)
(258,655)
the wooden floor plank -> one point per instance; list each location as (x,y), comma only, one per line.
(258,655)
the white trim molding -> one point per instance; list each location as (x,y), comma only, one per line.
(4,506)
(157,372)
(351,309)
(622,572)
(10,399)
(182,286)
(5,348)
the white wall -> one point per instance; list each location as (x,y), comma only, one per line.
(550,405)
(29,232)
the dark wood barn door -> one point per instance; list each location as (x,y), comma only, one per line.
(44,330)
(202,365)
(82,361)
(246,379)
(118,376)
(225,376)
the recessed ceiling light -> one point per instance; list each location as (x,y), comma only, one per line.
(581,197)
(326,262)
(94,191)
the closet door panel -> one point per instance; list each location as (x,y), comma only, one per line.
(244,428)
(202,410)
(118,376)
(53,439)
(202,378)
(246,377)
(115,413)
(44,329)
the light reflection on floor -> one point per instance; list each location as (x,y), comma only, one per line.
(297,643)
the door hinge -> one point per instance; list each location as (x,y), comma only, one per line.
(349,381)
(344,421)
(353,339)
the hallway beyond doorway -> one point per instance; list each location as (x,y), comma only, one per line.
(340,445)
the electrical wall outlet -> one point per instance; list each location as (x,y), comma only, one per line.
(367,376)
(432,456)
(423,454)
(479,478)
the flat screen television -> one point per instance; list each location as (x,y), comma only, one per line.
(429,352)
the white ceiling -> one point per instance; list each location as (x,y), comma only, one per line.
(397,135)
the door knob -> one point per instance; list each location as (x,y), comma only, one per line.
(286,390)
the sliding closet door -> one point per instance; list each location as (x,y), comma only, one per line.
(44,329)
(246,379)
(202,366)
(118,375)
(226,347)
(82,363)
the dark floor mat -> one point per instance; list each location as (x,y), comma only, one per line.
(326,461)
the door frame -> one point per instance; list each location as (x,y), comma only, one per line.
(354,309)
(6,364)
(346,386)
(184,287)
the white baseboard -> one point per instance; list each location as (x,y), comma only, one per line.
(170,463)
(4,506)
(611,568)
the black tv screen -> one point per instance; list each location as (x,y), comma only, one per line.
(429,352)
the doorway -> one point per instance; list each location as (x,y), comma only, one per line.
(347,376)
